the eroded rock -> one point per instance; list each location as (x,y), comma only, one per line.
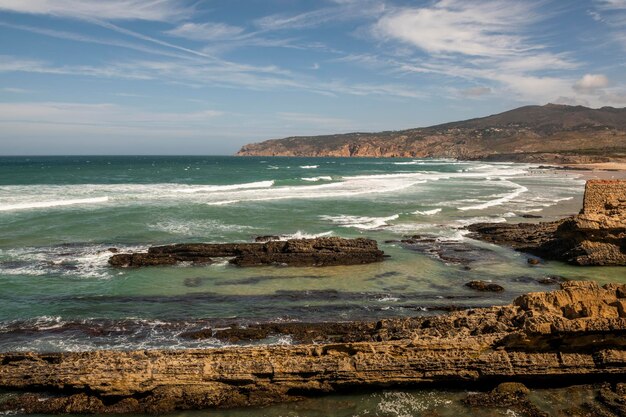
(574,332)
(596,236)
(323,251)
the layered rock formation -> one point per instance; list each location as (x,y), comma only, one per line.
(323,251)
(577,331)
(596,236)
(549,134)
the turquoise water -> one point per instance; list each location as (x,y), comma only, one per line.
(60,215)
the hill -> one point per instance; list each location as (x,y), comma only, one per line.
(550,133)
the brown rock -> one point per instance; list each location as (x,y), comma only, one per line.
(573,332)
(597,236)
(323,251)
(484,286)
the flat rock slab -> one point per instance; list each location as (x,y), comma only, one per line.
(575,332)
(323,251)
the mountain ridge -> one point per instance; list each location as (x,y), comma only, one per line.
(549,133)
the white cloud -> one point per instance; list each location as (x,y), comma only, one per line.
(482,42)
(611,4)
(490,28)
(102,114)
(591,83)
(208,31)
(344,10)
(476,91)
(210,74)
(613,14)
(159,10)
(316,120)
(15,90)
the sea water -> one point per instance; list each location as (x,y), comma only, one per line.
(60,216)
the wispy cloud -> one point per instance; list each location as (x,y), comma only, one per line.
(159,10)
(316,120)
(79,37)
(341,11)
(490,28)
(476,91)
(16,90)
(611,4)
(613,14)
(100,113)
(487,42)
(215,74)
(208,31)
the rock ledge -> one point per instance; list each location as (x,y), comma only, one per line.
(577,331)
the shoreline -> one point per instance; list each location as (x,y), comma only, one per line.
(599,170)
(549,337)
(571,334)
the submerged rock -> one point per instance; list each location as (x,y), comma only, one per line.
(484,286)
(559,336)
(322,251)
(596,236)
(448,251)
(510,395)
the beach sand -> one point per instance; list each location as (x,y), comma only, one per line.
(615,169)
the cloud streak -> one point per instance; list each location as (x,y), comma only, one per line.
(160,10)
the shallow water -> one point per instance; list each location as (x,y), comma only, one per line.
(59,216)
(558,402)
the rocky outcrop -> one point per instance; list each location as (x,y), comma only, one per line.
(596,236)
(535,134)
(323,251)
(577,331)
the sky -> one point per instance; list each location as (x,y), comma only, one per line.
(202,77)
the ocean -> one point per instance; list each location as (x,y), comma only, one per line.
(60,216)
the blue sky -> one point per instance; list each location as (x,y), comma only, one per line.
(206,76)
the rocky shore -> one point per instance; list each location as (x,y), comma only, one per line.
(596,236)
(541,338)
(323,251)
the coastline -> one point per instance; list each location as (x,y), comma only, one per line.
(385,334)
(600,170)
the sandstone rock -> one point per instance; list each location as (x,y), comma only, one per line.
(577,331)
(511,395)
(597,236)
(323,251)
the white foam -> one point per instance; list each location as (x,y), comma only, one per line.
(88,261)
(388,299)
(54,203)
(504,198)
(214,188)
(343,189)
(360,222)
(480,219)
(196,228)
(314,179)
(309,166)
(302,235)
(428,212)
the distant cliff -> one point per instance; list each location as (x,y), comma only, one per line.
(550,133)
